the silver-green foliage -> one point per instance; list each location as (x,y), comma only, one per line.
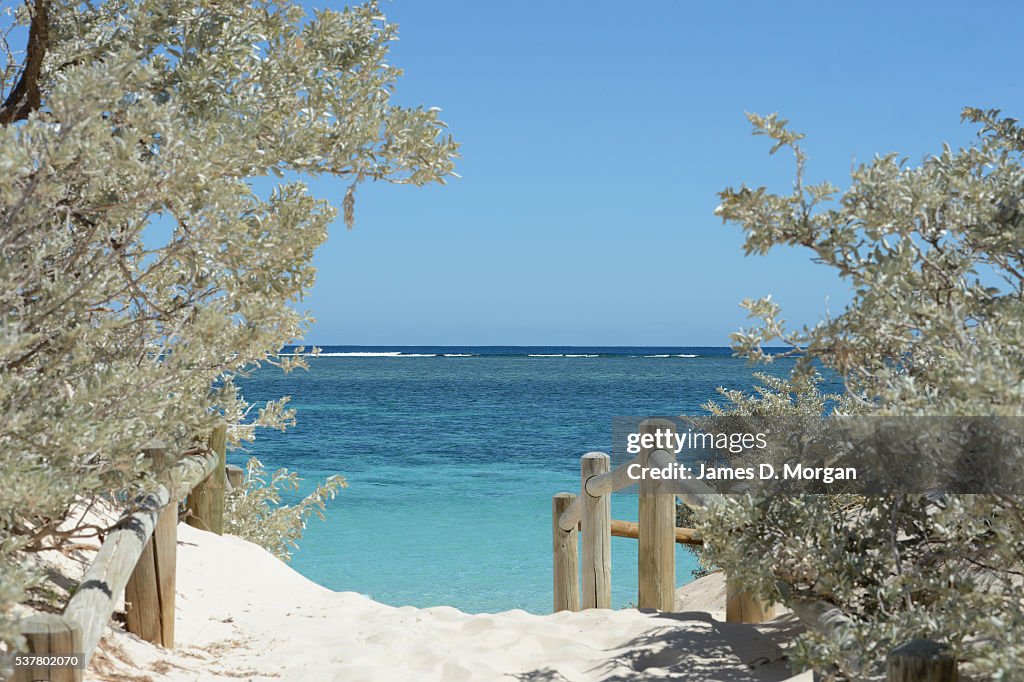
(139,265)
(934,255)
(797,400)
(254,511)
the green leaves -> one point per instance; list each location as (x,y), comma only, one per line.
(934,254)
(932,251)
(775,128)
(254,511)
(140,272)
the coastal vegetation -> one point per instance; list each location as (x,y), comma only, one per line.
(157,237)
(934,256)
(254,510)
(144,264)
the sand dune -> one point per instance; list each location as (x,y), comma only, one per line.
(242,614)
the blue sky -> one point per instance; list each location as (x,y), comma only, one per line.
(595,138)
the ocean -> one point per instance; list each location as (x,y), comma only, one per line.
(452,455)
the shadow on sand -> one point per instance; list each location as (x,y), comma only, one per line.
(694,647)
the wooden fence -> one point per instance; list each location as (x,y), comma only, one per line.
(137,558)
(586,519)
(582,579)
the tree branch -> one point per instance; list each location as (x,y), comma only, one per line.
(25,97)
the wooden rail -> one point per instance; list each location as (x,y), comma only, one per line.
(631,529)
(656,532)
(588,516)
(137,558)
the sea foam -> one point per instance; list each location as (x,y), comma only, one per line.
(387,354)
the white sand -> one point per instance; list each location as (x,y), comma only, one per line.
(242,614)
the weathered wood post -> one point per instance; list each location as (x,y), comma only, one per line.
(596,583)
(657,550)
(741,606)
(93,601)
(150,592)
(921,661)
(235,476)
(51,635)
(566,563)
(206,501)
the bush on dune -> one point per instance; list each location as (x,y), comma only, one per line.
(141,266)
(935,257)
(254,511)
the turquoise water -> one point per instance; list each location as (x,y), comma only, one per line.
(452,456)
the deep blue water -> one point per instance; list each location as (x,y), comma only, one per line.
(452,455)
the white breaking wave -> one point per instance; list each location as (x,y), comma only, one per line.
(399,354)
(386,354)
(565,355)
(681,355)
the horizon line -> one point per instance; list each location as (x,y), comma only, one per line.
(514,345)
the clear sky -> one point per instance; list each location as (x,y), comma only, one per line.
(595,137)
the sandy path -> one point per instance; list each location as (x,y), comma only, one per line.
(242,614)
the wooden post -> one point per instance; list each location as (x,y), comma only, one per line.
(743,607)
(150,592)
(235,475)
(106,578)
(657,549)
(596,520)
(206,502)
(566,562)
(51,635)
(921,661)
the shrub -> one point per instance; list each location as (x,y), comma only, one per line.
(141,270)
(254,511)
(933,254)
